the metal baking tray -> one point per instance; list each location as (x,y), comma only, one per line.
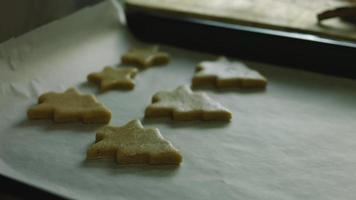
(292,49)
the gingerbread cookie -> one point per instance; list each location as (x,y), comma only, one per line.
(111,78)
(133,144)
(70,106)
(226,74)
(145,57)
(183,104)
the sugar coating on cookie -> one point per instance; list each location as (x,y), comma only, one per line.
(226,74)
(145,57)
(69,106)
(183,104)
(110,78)
(134,144)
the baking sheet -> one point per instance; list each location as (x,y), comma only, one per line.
(296,140)
(284,15)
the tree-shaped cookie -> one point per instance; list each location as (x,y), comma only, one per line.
(226,74)
(111,78)
(145,57)
(133,144)
(70,106)
(183,104)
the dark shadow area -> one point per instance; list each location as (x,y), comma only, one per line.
(349,20)
(140,169)
(213,88)
(196,124)
(15,190)
(49,125)
(141,69)
(89,87)
(93,88)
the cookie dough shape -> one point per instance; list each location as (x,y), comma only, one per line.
(145,57)
(133,144)
(227,74)
(110,78)
(183,104)
(70,106)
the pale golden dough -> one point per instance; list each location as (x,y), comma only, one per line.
(227,74)
(110,78)
(70,106)
(145,57)
(134,144)
(183,104)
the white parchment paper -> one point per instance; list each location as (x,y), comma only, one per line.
(296,140)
